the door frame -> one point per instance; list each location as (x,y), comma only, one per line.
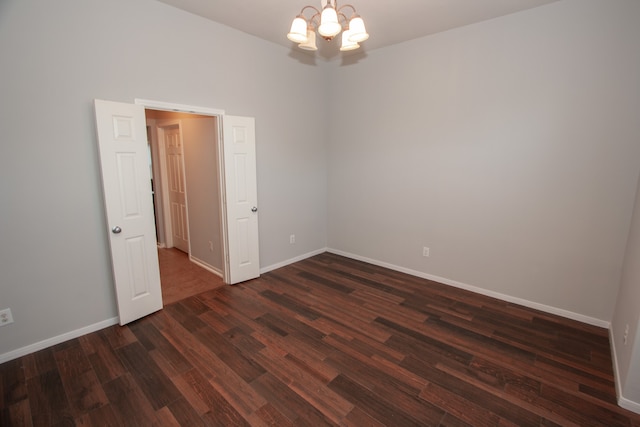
(219,114)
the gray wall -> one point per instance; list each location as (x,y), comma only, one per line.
(509,148)
(627,315)
(55,58)
(203,195)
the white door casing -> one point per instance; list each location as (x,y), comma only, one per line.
(126,180)
(177,188)
(241,207)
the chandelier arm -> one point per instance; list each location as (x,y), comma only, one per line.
(314,21)
(347,6)
(317,12)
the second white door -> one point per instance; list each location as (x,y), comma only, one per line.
(241,207)
(177,188)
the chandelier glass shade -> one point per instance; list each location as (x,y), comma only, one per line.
(328,22)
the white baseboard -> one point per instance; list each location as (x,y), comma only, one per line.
(41,345)
(206,266)
(546,308)
(292,260)
(627,404)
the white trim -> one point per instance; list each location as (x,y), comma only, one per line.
(616,370)
(206,266)
(627,404)
(179,108)
(41,345)
(292,260)
(546,308)
(222,191)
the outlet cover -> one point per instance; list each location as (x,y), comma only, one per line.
(5,317)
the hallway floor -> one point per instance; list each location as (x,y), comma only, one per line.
(181,278)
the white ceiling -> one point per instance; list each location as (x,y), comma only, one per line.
(388,22)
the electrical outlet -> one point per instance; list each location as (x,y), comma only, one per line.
(5,317)
(626,334)
(210,245)
(425,251)
(292,239)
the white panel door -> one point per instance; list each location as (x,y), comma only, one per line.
(177,188)
(126,181)
(241,210)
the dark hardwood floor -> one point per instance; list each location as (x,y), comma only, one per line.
(326,341)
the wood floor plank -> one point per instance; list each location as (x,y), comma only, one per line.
(378,406)
(245,368)
(491,399)
(17,414)
(287,402)
(219,408)
(272,417)
(157,388)
(330,404)
(459,407)
(80,381)
(166,418)
(102,356)
(118,337)
(370,370)
(149,336)
(185,414)
(512,409)
(48,400)
(401,395)
(13,385)
(104,416)
(130,404)
(223,378)
(327,341)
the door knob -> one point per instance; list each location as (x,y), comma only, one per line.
(116,230)
(254,209)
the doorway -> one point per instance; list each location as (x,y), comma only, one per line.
(185,170)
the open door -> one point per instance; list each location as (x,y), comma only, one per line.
(241,208)
(126,181)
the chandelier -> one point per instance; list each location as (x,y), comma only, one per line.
(328,23)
